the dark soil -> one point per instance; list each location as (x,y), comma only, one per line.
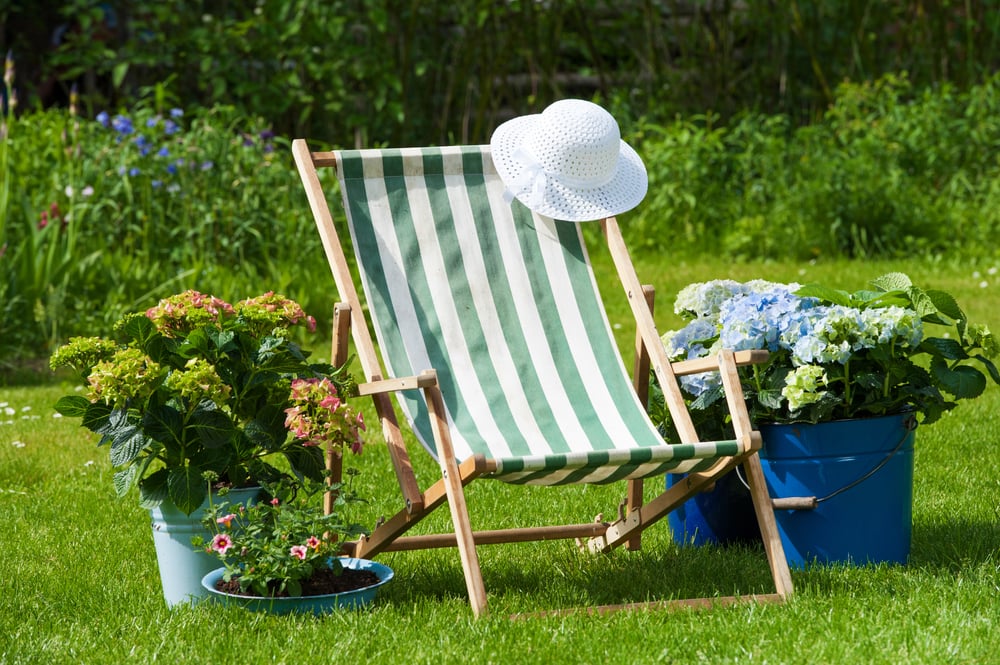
(323,581)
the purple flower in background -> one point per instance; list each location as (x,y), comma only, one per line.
(163,152)
(122,124)
(207,165)
(170,128)
(104,119)
(176,112)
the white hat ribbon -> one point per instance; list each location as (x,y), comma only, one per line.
(531,180)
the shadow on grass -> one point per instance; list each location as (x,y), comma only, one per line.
(556,576)
(955,544)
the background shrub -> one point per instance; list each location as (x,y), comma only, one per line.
(109,215)
(365,72)
(887,171)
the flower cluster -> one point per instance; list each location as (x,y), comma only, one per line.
(272,546)
(198,385)
(834,354)
(317,416)
(186,311)
(270,310)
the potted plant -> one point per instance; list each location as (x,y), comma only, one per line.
(848,377)
(196,385)
(282,554)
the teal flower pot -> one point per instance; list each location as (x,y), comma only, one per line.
(182,567)
(322,604)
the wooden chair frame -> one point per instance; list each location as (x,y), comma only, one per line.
(635,516)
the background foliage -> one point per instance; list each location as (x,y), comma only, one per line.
(406,72)
(777,129)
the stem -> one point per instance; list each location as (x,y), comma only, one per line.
(847,387)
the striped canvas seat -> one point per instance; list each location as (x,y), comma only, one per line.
(502,303)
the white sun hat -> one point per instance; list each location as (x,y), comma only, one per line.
(569,162)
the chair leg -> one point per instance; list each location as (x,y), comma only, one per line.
(768,526)
(456,503)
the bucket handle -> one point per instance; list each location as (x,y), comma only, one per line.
(812,502)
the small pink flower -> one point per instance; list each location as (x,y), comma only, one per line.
(313,542)
(360,421)
(221,543)
(298,551)
(274,501)
(226,519)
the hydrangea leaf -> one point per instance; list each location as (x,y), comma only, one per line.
(941,347)
(213,427)
(72,406)
(893,281)
(963,382)
(306,460)
(163,423)
(97,418)
(127,444)
(124,479)
(186,488)
(825,293)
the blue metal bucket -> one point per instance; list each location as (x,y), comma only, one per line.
(860,472)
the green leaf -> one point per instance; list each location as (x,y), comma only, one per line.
(127,445)
(213,427)
(118,74)
(124,480)
(825,293)
(990,367)
(153,489)
(163,423)
(941,347)
(770,399)
(72,406)
(186,488)
(893,281)
(963,382)
(267,429)
(306,460)
(946,304)
(924,306)
(97,418)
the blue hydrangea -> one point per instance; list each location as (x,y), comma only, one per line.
(757,320)
(688,342)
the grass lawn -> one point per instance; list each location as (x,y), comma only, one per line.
(79,582)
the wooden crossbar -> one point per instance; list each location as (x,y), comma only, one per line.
(499,536)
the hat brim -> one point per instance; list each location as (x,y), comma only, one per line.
(624,191)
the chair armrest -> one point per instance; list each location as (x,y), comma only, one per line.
(711,363)
(422,380)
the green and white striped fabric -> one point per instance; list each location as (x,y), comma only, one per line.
(503,305)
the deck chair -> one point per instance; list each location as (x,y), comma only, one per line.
(492,335)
